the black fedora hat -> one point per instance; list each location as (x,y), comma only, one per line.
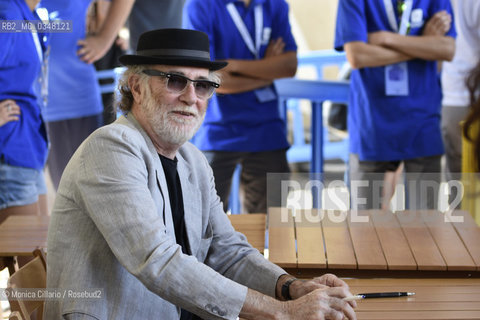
(180,47)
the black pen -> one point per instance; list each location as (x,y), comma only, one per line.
(361,296)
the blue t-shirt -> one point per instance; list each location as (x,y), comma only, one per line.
(384,128)
(239,122)
(73,86)
(23,143)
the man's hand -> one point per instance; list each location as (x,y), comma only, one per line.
(325,303)
(275,48)
(327,292)
(300,288)
(438,24)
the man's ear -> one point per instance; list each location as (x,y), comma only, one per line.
(134,84)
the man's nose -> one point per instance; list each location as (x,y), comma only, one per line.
(189,96)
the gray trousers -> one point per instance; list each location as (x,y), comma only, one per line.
(253,180)
(452,138)
(422,181)
(65,137)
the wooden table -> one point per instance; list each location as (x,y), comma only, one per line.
(19,236)
(252,226)
(404,244)
(434,299)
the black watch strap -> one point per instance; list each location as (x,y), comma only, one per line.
(286,289)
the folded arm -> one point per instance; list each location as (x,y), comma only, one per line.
(426,47)
(385,47)
(232,83)
(246,75)
(363,55)
(279,66)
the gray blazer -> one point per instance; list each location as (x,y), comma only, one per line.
(112,229)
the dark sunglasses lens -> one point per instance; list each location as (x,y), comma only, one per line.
(177,83)
(203,89)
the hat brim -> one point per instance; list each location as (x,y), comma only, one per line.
(131,59)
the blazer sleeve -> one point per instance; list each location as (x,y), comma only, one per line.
(229,252)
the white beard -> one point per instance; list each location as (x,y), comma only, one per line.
(169,126)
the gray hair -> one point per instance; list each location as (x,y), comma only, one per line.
(125,96)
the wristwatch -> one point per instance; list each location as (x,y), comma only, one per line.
(286,289)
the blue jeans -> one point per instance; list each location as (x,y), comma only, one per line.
(20,186)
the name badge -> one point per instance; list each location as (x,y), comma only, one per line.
(417,18)
(265,94)
(396,79)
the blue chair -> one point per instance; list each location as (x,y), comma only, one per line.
(300,151)
(112,75)
(317,91)
(108,81)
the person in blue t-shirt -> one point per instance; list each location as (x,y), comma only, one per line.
(243,124)
(23,138)
(74,108)
(395,100)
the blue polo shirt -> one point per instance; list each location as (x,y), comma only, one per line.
(239,122)
(73,90)
(23,143)
(384,128)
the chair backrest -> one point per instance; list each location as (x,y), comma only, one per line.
(15,315)
(31,275)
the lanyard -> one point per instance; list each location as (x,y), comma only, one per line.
(254,48)
(43,57)
(38,46)
(405,16)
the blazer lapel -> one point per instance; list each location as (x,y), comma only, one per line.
(161,180)
(191,203)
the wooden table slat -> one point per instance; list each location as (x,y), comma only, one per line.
(394,244)
(281,233)
(419,315)
(451,247)
(402,244)
(310,248)
(469,231)
(20,235)
(452,299)
(401,306)
(366,244)
(421,243)
(338,243)
(252,226)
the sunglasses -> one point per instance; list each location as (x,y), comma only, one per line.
(177,83)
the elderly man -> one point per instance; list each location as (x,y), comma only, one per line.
(137,215)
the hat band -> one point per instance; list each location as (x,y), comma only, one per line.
(175,52)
